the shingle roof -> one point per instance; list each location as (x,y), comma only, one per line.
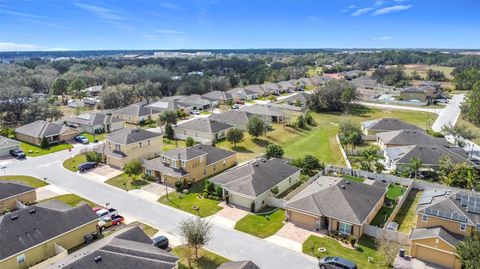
(128,136)
(255,88)
(41,128)
(301,96)
(217,95)
(364,82)
(184,153)
(239,265)
(39,223)
(286,85)
(256,177)
(214,154)
(260,109)
(205,125)
(410,137)
(137,110)
(92,119)
(232,116)
(157,165)
(436,232)
(7,142)
(388,124)
(270,87)
(338,198)
(428,154)
(9,189)
(194,99)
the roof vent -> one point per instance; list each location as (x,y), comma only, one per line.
(14,217)
(98,259)
(32,211)
(342,186)
(264,160)
(347,182)
(199,147)
(255,163)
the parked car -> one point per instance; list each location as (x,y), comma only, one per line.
(105,212)
(195,112)
(235,106)
(18,153)
(240,102)
(110,221)
(161,242)
(336,262)
(86,166)
(81,139)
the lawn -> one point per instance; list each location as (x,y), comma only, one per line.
(471,127)
(99,137)
(149,230)
(27,180)
(34,151)
(393,192)
(207,259)
(407,215)
(352,178)
(72,200)
(172,144)
(73,162)
(186,202)
(365,248)
(423,68)
(260,225)
(123,181)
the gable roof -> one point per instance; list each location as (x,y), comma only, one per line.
(410,137)
(255,88)
(10,189)
(269,86)
(128,136)
(301,96)
(260,109)
(41,128)
(205,125)
(338,198)
(39,223)
(239,265)
(232,116)
(214,154)
(93,119)
(195,100)
(256,177)
(138,110)
(7,142)
(436,232)
(388,124)
(217,95)
(286,85)
(430,155)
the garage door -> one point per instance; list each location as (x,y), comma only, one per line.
(434,256)
(240,201)
(302,219)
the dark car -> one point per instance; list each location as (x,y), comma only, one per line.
(86,166)
(82,139)
(160,242)
(18,153)
(336,262)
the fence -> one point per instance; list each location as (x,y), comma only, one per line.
(276,202)
(301,187)
(399,204)
(401,238)
(344,154)
(365,174)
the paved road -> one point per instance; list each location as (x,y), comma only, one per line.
(229,243)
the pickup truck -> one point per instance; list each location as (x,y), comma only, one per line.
(18,153)
(106,222)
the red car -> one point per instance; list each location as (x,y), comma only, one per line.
(110,221)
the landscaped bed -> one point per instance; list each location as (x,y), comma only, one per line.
(262,225)
(207,259)
(72,200)
(27,180)
(73,162)
(34,151)
(125,182)
(407,215)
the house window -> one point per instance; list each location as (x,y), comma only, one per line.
(224,163)
(140,144)
(184,163)
(117,147)
(345,228)
(163,159)
(424,218)
(149,172)
(463,226)
(174,164)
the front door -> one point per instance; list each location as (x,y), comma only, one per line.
(325,222)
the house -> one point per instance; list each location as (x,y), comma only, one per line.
(75,103)
(7,144)
(300,98)
(202,130)
(320,80)
(236,118)
(95,123)
(286,86)
(34,133)
(306,83)
(398,158)
(337,205)
(189,164)
(257,89)
(137,113)
(372,127)
(364,82)
(125,249)
(444,218)
(408,137)
(271,88)
(220,97)
(265,111)
(43,231)
(126,145)
(11,193)
(169,103)
(197,102)
(239,265)
(249,186)
(349,75)
(243,94)
(421,93)
(93,91)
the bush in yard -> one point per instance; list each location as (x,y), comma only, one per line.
(468,251)
(219,191)
(300,122)
(133,168)
(209,187)
(309,119)
(310,164)
(196,232)
(234,136)
(189,141)
(169,132)
(178,185)
(148,178)
(44,144)
(256,127)
(168,116)
(274,151)
(352,240)
(93,156)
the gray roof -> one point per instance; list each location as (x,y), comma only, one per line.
(214,154)
(301,96)
(286,85)
(41,128)
(436,232)
(194,100)
(256,89)
(97,88)
(240,92)
(137,110)
(259,109)
(157,165)
(232,116)
(364,82)
(205,125)
(239,265)
(217,95)
(338,198)
(9,189)
(318,80)
(127,248)
(128,136)
(388,124)
(428,154)
(167,103)
(39,223)
(410,137)
(93,119)
(7,142)
(270,87)
(256,177)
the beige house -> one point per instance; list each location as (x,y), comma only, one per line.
(126,145)
(336,205)
(202,130)
(190,164)
(95,123)
(33,133)
(43,231)
(11,193)
(137,113)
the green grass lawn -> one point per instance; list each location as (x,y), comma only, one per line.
(393,192)
(407,215)
(123,181)
(260,226)
(207,259)
(149,230)
(72,200)
(352,178)
(185,202)
(27,180)
(34,151)
(475,129)
(73,162)
(172,144)
(99,137)
(365,248)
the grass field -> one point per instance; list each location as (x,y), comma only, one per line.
(123,181)
(407,216)
(73,162)
(352,178)
(27,180)
(261,225)
(34,151)
(72,200)
(207,259)
(172,144)
(423,68)
(471,127)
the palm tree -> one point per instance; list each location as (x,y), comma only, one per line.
(370,157)
(415,165)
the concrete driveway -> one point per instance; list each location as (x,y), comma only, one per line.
(228,216)
(292,236)
(410,263)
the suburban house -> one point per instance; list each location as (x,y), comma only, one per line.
(11,193)
(7,144)
(128,248)
(306,83)
(408,137)
(190,164)
(169,103)
(137,113)
(258,89)
(271,88)
(265,111)
(236,118)
(286,86)
(33,234)
(197,102)
(239,265)
(381,125)
(220,97)
(243,94)
(250,185)
(337,205)
(399,157)
(444,218)
(95,123)
(202,130)
(320,80)
(300,98)
(93,91)
(420,93)
(34,132)
(126,145)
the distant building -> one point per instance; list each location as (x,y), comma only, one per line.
(34,133)
(11,193)
(202,130)
(95,123)
(376,126)
(6,145)
(137,113)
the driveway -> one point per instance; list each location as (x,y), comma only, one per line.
(228,216)
(409,263)
(292,236)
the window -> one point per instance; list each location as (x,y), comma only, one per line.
(140,144)
(424,218)
(204,172)
(463,226)
(149,172)
(148,142)
(224,163)
(174,164)
(163,159)
(184,163)
(345,228)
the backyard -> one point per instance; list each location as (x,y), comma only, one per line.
(172,144)
(72,200)
(207,259)
(34,151)
(407,215)
(394,191)
(27,180)
(73,162)
(126,182)
(99,137)
(262,225)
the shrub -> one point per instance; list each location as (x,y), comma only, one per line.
(148,178)
(44,144)
(300,122)
(209,187)
(189,141)
(274,151)
(169,132)
(352,240)
(178,185)
(309,119)
(93,156)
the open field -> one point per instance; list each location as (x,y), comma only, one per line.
(471,127)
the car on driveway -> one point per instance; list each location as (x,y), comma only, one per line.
(18,153)
(336,262)
(82,139)
(105,212)
(86,166)
(161,242)
(110,221)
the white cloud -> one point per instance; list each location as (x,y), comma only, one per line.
(101,12)
(361,11)
(349,8)
(11,46)
(391,9)
(386,37)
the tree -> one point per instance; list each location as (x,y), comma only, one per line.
(93,156)
(309,119)
(350,134)
(168,116)
(378,167)
(461,175)
(133,168)
(467,78)
(471,105)
(60,87)
(189,142)
(388,248)
(274,151)
(195,232)
(435,75)
(415,165)
(256,127)
(300,122)
(169,132)
(311,164)
(234,136)
(44,144)
(333,96)
(459,132)
(75,88)
(369,158)
(468,251)
(148,90)
(348,96)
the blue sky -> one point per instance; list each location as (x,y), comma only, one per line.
(212,24)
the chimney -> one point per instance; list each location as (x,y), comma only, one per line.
(98,259)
